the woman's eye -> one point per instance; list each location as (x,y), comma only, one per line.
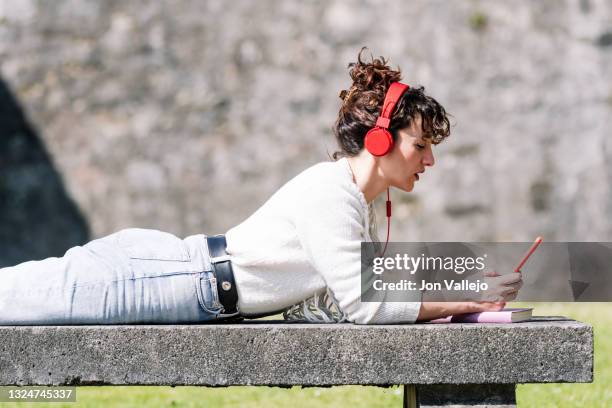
(421,147)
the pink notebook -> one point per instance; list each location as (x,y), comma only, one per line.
(502,316)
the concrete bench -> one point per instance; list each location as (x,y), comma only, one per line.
(469,364)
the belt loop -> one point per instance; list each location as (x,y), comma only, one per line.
(218,259)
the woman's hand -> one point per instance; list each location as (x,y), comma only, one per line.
(486,306)
(502,287)
(435,310)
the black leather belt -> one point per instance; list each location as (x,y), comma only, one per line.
(222,269)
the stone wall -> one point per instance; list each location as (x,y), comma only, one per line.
(187,115)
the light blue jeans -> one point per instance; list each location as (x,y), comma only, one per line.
(132,276)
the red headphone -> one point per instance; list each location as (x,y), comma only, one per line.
(378,140)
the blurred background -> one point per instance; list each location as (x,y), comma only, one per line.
(186,116)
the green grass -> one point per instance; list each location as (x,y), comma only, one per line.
(597,394)
(247,397)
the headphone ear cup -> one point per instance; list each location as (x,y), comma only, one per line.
(378,141)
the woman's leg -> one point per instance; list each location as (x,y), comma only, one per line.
(133,276)
(33,291)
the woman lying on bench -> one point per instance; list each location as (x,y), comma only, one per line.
(300,253)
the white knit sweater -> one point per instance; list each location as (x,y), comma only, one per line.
(305,238)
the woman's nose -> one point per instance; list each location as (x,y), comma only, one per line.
(428,158)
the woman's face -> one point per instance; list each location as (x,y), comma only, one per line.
(402,167)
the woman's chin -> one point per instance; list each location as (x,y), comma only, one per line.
(408,187)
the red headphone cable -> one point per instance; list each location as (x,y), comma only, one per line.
(388,222)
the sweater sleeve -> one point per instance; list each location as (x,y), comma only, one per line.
(330,229)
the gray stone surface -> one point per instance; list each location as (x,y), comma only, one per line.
(187,115)
(268,353)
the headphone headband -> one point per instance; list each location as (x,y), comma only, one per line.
(394,93)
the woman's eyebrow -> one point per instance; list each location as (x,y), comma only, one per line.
(427,136)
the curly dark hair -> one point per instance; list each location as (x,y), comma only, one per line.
(362,104)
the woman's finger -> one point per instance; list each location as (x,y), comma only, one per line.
(510,278)
(510,297)
(508,290)
(513,286)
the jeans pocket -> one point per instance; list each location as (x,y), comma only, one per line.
(150,244)
(206,288)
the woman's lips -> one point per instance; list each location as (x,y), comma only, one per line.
(416,175)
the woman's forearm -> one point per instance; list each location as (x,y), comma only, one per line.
(435,310)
